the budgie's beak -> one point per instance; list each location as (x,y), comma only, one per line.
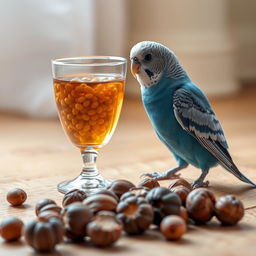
(135,66)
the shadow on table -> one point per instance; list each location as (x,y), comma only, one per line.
(233,189)
(13,244)
(54,253)
(21,207)
(241,227)
(155,235)
(116,248)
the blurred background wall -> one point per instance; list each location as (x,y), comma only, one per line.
(243,20)
(215,41)
(32,33)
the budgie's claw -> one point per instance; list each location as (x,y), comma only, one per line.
(160,175)
(200,184)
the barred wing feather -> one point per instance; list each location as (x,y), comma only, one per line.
(201,122)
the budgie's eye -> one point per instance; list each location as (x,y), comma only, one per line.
(135,59)
(148,57)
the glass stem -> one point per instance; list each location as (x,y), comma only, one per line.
(89,156)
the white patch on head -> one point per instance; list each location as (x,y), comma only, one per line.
(138,48)
(139,51)
(163,61)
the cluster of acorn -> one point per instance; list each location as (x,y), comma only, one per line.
(103,216)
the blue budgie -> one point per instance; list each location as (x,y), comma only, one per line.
(180,113)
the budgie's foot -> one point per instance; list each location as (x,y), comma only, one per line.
(200,184)
(161,175)
(200,181)
(168,175)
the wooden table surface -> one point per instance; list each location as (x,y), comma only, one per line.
(35,155)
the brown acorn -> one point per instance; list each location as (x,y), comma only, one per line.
(100,202)
(16,196)
(229,210)
(149,183)
(74,195)
(184,214)
(10,229)
(135,213)
(105,229)
(76,216)
(44,236)
(50,207)
(43,202)
(182,192)
(173,227)
(180,182)
(119,187)
(164,202)
(47,215)
(136,191)
(108,193)
(200,205)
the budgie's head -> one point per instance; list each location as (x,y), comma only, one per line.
(150,60)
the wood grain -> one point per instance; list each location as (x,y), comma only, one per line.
(35,155)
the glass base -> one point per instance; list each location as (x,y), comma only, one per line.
(88,184)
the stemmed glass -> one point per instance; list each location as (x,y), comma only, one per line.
(89,93)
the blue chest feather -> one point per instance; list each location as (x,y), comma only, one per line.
(158,103)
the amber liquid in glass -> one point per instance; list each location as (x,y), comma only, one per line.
(89,111)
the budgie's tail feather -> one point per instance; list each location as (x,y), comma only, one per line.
(234,170)
(224,158)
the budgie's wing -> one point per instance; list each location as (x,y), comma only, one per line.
(195,115)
